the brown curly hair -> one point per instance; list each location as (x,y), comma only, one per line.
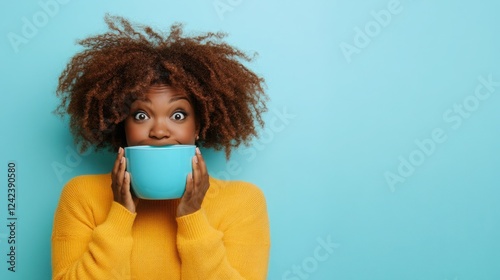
(100,83)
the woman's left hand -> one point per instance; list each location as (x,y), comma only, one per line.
(196,187)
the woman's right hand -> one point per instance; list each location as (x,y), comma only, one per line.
(120,182)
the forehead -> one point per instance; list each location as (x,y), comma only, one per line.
(164,89)
(163,93)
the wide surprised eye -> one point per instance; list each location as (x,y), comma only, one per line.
(140,116)
(178,116)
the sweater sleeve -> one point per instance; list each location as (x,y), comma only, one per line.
(237,250)
(83,247)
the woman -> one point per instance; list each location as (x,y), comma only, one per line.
(134,86)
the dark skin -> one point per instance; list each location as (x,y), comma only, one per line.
(166,117)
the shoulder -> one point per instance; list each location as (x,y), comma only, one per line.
(236,198)
(85,199)
(87,186)
(236,204)
(235,190)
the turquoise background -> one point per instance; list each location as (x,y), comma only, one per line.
(338,124)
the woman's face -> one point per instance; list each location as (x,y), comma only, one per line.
(166,117)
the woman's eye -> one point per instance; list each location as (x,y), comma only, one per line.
(178,116)
(141,116)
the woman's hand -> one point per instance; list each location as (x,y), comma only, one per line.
(196,187)
(120,183)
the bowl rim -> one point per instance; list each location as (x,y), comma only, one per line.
(165,147)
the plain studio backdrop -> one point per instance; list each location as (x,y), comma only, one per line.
(381,152)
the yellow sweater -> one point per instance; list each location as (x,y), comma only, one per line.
(94,237)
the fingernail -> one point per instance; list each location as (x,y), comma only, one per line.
(122,160)
(198,151)
(120,150)
(195,159)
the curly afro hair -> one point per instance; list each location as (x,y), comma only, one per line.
(100,83)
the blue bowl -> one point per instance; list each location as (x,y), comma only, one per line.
(159,172)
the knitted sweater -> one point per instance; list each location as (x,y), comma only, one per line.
(94,237)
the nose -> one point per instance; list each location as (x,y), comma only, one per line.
(159,130)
